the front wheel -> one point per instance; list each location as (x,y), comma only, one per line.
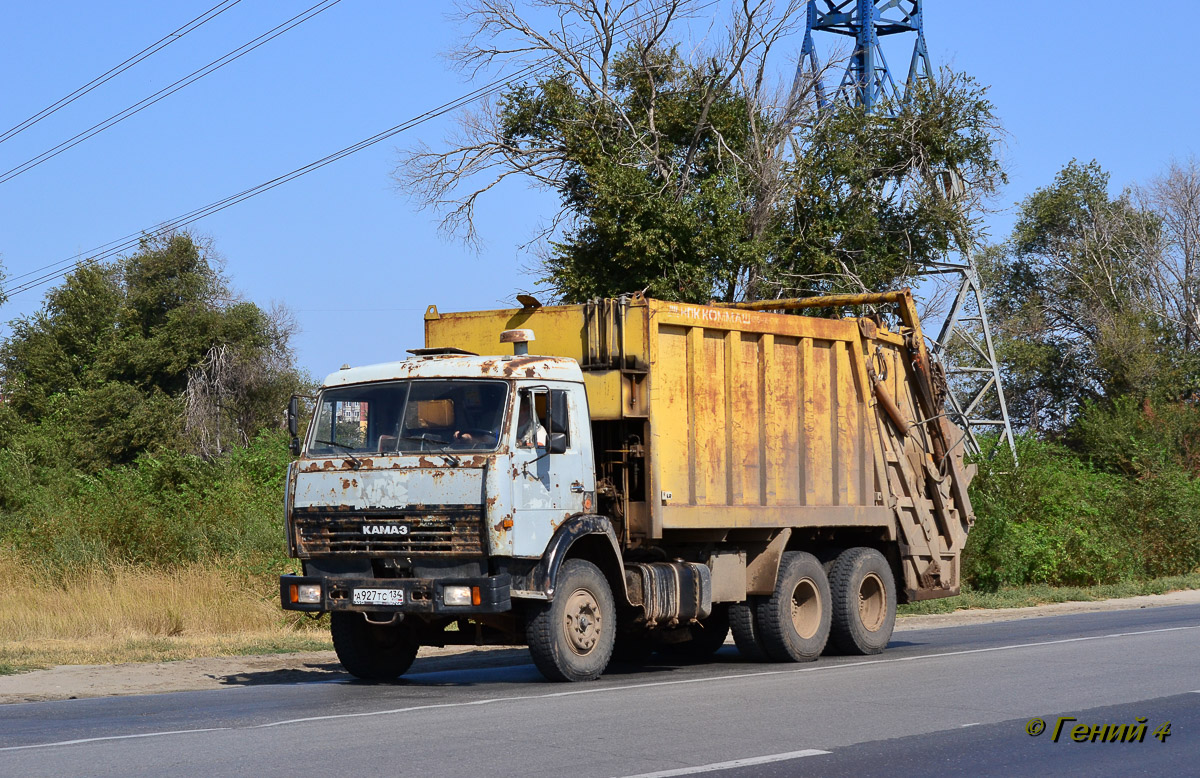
(571,637)
(372,652)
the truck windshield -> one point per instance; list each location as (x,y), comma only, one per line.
(409,416)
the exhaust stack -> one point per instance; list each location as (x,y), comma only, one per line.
(520,340)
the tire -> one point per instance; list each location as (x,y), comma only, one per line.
(864,602)
(707,637)
(795,619)
(571,637)
(372,652)
(746,632)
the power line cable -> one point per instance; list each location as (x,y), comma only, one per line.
(187,80)
(117,70)
(112,248)
(116,247)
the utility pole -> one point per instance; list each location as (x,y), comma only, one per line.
(971,368)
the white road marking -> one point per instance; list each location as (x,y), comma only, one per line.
(972,724)
(114,737)
(814,668)
(748,762)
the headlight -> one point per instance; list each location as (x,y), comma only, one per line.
(310,594)
(456,595)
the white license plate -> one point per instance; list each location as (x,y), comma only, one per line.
(378,596)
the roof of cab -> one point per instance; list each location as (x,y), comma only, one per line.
(454,366)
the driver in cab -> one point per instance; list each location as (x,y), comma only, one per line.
(530,431)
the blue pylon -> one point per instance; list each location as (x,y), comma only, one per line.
(964,346)
(867,81)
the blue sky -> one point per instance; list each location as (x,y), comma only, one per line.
(349,254)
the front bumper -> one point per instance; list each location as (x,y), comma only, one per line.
(421,595)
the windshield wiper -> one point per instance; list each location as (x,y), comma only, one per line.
(355,462)
(425,437)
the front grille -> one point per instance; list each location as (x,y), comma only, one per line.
(447,531)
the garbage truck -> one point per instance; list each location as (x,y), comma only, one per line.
(630,475)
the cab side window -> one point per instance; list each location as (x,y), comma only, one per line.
(539,414)
(559,421)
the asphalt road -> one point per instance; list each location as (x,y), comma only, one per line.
(952,700)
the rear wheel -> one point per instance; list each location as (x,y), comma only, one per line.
(746,632)
(795,619)
(864,602)
(571,637)
(372,652)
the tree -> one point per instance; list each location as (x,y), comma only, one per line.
(699,177)
(1077,301)
(870,202)
(1174,197)
(109,356)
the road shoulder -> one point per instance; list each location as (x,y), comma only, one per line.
(76,681)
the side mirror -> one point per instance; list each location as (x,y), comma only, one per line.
(293,414)
(558,443)
(293,422)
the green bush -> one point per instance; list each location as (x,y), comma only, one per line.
(164,509)
(1121,504)
(1139,437)
(1047,521)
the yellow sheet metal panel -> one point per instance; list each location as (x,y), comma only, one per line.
(820,422)
(559,330)
(605,399)
(777,413)
(755,516)
(671,424)
(746,420)
(746,408)
(784,462)
(848,453)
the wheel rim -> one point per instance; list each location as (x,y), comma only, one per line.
(872,602)
(806,608)
(582,623)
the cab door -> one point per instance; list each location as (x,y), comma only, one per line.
(552,463)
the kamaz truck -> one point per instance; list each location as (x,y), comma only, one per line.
(630,475)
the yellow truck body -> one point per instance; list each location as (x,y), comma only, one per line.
(751,423)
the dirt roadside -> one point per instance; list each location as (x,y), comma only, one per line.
(76,681)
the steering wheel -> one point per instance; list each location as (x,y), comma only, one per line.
(425,437)
(480,438)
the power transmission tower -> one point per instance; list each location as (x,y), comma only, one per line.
(964,345)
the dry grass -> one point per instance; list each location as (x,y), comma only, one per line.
(131,614)
(20,656)
(1041,594)
(136,614)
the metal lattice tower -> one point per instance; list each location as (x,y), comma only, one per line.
(868,80)
(964,345)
